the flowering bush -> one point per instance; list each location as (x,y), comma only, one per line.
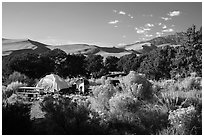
(101,97)
(181,120)
(138,84)
(15,85)
(190,83)
(12,88)
(122,103)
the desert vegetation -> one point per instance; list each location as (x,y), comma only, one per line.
(160,95)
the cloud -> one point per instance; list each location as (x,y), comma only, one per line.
(158,34)
(149,25)
(115,11)
(146,29)
(139,31)
(124,36)
(144,38)
(113,22)
(174,13)
(121,44)
(148,35)
(122,13)
(130,16)
(115,26)
(150,15)
(165,18)
(160,24)
(168,30)
(142,30)
(164,27)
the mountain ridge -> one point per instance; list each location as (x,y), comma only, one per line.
(17,46)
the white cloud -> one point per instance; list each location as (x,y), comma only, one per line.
(164,27)
(174,13)
(167,30)
(121,44)
(122,13)
(124,36)
(113,22)
(142,30)
(115,26)
(158,34)
(129,15)
(146,29)
(139,31)
(115,11)
(150,15)
(148,35)
(165,18)
(160,24)
(149,25)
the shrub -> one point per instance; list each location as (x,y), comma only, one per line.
(101,97)
(16,119)
(17,76)
(138,84)
(154,117)
(122,103)
(190,83)
(4,96)
(67,117)
(12,88)
(186,121)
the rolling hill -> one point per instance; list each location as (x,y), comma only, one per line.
(145,46)
(17,46)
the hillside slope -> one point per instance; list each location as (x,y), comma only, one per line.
(17,46)
(145,46)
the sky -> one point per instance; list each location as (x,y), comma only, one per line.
(100,23)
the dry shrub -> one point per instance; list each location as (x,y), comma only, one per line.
(122,103)
(15,85)
(190,83)
(12,88)
(138,84)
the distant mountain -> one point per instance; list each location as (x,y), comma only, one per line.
(17,46)
(146,46)
(92,49)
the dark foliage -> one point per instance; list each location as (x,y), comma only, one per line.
(111,63)
(95,65)
(66,117)
(16,119)
(166,62)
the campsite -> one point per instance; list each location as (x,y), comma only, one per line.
(102,68)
